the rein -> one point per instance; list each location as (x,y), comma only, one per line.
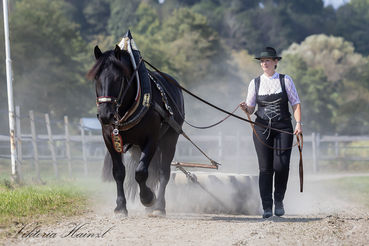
(298,137)
(265,144)
(212,105)
(121,93)
(212,125)
(299,143)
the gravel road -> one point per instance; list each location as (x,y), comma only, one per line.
(315,217)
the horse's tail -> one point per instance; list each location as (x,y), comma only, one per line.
(131,160)
(107,171)
(131,163)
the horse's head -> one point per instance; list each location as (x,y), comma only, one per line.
(111,73)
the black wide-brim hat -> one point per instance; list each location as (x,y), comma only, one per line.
(268,52)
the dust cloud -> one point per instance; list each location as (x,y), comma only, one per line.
(233,189)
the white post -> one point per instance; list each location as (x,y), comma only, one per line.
(84,154)
(317,151)
(18,134)
(314,147)
(34,144)
(9,80)
(336,146)
(19,141)
(51,144)
(67,145)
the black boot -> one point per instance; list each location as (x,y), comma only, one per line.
(267,213)
(278,208)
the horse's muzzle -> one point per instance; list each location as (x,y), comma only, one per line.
(106,120)
(105,114)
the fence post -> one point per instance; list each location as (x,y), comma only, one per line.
(336,146)
(67,145)
(313,141)
(317,151)
(51,144)
(19,140)
(84,156)
(34,144)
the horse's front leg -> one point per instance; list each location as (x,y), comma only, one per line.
(147,196)
(119,173)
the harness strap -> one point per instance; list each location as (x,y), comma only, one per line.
(172,123)
(168,118)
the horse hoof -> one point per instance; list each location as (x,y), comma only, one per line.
(158,213)
(149,202)
(121,211)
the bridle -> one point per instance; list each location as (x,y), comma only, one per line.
(117,101)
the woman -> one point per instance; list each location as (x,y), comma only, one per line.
(271,92)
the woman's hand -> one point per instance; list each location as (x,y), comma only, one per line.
(298,129)
(243,106)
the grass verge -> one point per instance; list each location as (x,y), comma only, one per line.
(24,204)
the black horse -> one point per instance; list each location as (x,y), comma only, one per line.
(151,141)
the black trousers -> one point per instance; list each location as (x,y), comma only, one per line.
(273,162)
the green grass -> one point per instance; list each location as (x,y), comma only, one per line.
(354,189)
(41,202)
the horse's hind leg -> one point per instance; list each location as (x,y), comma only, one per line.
(159,207)
(167,150)
(147,197)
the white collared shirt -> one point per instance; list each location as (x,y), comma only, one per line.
(272,85)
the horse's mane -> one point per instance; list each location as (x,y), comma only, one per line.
(106,59)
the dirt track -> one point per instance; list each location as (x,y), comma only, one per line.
(313,218)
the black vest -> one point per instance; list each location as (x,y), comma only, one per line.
(272,107)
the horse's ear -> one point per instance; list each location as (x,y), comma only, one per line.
(97,52)
(117,52)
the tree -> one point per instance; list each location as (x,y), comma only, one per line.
(47,59)
(184,45)
(192,45)
(352,24)
(334,54)
(149,22)
(96,14)
(122,16)
(318,96)
(343,88)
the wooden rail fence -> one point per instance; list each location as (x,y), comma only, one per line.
(236,149)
